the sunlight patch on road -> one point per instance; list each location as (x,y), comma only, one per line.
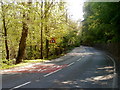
(108,67)
(103,77)
(66,82)
(80,54)
(98,78)
(69,82)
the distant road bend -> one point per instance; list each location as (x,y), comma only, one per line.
(83,67)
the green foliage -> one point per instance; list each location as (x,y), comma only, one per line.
(54,26)
(101,22)
(9,64)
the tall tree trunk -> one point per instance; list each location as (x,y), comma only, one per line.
(44,16)
(5,33)
(48,5)
(22,44)
(6,44)
(47,49)
(46,29)
(41,47)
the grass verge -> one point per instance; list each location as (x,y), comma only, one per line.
(24,63)
(10,64)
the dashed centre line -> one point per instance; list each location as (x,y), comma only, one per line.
(79,59)
(51,73)
(20,85)
(60,69)
(71,64)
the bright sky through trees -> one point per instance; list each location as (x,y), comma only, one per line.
(75,9)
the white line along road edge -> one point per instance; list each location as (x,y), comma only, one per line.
(115,74)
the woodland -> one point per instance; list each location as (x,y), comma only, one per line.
(101,23)
(28,27)
(101,28)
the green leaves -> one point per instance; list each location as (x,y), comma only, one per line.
(54,26)
(100,22)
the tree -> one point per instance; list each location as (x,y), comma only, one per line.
(3,7)
(101,22)
(22,44)
(30,26)
(41,54)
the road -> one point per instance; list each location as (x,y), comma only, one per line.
(83,67)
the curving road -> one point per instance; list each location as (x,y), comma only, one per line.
(83,67)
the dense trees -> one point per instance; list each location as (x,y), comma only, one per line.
(27,28)
(101,28)
(101,22)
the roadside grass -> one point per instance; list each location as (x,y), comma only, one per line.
(5,64)
(10,63)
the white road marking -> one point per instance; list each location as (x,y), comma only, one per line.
(115,74)
(44,76)
(79,59)
(58,70)
(71,64)
(113,63)
(51,73)
(20,85)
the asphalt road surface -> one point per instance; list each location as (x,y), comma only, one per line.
(83,67)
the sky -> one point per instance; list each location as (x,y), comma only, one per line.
(75,9)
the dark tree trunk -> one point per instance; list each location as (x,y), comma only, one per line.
(5,34)
(44,16)
(22,44)
(6,44)
(46,31)
(47,49)
(41,47)
(47,7)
